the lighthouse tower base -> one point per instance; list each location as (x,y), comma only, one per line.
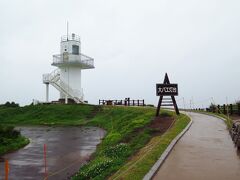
(71,78)
(69,101)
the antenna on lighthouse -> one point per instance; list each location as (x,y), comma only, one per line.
(67,30)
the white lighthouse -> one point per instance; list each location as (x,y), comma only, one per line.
(67,77)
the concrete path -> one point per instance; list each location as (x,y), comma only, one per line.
(205,152)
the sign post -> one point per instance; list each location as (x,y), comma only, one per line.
(167,89)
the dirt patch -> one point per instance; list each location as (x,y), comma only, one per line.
(160,125)
(157,126)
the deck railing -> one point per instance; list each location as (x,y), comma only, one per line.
(73,58)
(72,37)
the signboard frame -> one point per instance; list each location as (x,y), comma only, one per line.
(167,84)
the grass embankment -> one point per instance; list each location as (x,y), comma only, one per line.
(141,163)
(127,129)
(11,139)
(128,132)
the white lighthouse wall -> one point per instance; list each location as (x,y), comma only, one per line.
(66,46)
(71,76)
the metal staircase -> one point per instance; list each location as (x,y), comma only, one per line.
(54,79)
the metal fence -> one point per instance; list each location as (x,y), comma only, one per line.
(126,102)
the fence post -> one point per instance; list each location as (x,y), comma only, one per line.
(231,109)
(238,105)
(218,109)
(138,102)
(133,103)
(143,103)
(224,109)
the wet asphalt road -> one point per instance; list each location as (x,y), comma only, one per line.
(205,152)
(67,149)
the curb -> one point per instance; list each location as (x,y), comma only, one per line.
(165,154)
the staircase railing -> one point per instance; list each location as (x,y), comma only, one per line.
(53,78)
(50,77)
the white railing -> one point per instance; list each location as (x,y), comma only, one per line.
(72,37)
(67,58)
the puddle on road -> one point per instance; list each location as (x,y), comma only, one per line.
(66,147)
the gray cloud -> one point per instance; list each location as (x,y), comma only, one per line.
(133,43)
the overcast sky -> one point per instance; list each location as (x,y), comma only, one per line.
(133,43)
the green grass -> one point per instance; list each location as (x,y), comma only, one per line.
(47,114)
(127,131)
(11,140)
(124,140)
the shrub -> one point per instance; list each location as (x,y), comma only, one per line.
(112,138)
(8,104)
(10,139)
(213,107)
(138,123)
(120,150)
(94,169)
(9,131)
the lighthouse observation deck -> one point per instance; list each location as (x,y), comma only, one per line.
(77,60)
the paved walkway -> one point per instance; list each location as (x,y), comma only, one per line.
(205,152)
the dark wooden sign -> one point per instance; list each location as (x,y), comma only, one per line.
(167,89)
